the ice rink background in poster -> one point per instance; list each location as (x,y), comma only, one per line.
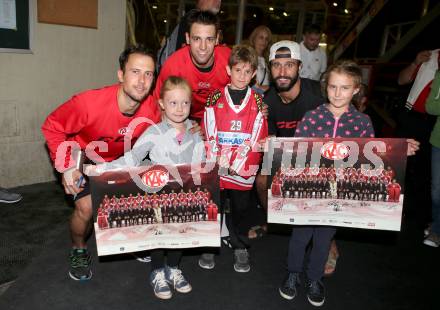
(155,207)
(338,182)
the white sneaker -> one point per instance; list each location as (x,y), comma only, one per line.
(175,278)
(142,257)
(160,285)
(432,240)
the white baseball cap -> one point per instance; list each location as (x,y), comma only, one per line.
(291,45)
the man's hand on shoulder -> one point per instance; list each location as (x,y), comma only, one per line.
(196,128)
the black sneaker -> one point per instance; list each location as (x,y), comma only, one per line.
(315,293)
(9,197)
(289,285)
(241,260)
(207,261)
(80,265)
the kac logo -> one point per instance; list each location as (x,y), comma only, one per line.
(156,178)
(335,151)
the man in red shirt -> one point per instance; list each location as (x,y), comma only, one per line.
(102,116)
(202,62)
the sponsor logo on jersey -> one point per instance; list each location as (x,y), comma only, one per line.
(232,138)
(335,151)
(124,130)
(287,125)
(155,178)
(203,84)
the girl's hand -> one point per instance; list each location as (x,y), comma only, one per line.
(413,147)
(91,170)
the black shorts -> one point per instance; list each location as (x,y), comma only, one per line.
(84,192)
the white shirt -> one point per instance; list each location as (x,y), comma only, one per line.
(262,72)
(314,63)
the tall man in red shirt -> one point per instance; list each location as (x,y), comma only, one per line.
(202,62)
(99,115)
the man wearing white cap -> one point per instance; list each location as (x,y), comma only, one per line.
(291,96)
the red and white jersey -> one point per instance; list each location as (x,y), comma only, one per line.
(199,194)
(94,115)
(234,132)
(422,84)
(202,83)
(181,195)
(191,197)
(207,195)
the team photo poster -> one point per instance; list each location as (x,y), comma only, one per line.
(155,207)
(345,182)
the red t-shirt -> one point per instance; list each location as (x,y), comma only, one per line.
(94,115)
(202,83)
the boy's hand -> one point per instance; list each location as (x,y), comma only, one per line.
(260,146)
(223,161)
(232,172)
(413,147)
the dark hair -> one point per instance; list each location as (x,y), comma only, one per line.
(202,17)
(133,49)
(348,67)
(243,53)
(313,28)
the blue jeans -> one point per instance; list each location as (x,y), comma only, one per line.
(435,189)
(301,237)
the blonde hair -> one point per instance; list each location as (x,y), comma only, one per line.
(349,68)
(255,33)
(173,82)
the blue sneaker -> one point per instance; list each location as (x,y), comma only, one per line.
(160,286)
(176,279)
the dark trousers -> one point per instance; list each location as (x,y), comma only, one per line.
(235,216)
(158,258)
(321,237)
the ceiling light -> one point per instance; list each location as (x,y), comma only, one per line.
(255,15)
(345,11)
(285,14)
(270,8)
(154,6)
(335,4)
(165,21)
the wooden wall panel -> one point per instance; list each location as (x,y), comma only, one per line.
(82,13)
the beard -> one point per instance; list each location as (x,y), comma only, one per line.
(136,97)
(286,87)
